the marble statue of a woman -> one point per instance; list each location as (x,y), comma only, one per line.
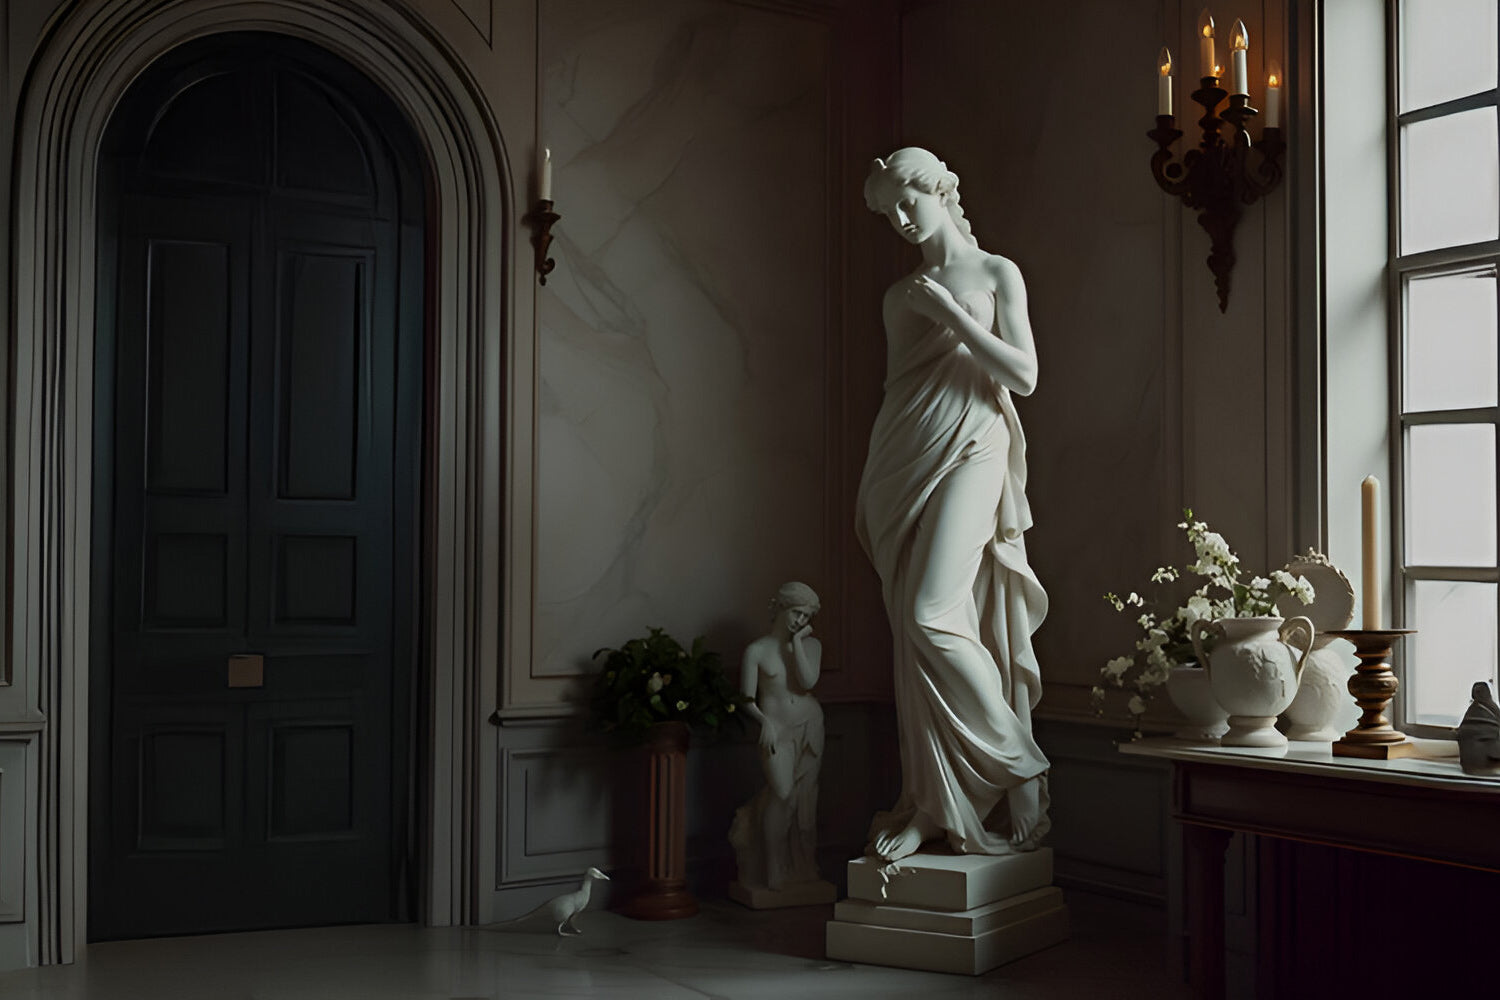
(942,513)
(775,833)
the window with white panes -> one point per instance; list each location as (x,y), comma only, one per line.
(1445,253)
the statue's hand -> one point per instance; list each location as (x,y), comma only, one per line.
(803,632)
(931,299)
(769,732)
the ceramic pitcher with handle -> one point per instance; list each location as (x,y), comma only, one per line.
(1254,671)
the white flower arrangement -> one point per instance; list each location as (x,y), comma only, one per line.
(1166,641)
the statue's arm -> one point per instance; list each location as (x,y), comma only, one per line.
(1015,324)
(1009,356)
(749,683)
(808,654)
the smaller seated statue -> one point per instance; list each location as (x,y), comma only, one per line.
(775,834)
(1479,734)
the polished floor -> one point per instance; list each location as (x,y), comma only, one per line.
(1117,952)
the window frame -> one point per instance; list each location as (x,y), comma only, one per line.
(1401,269)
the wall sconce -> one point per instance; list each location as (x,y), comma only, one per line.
(543,218)
(1219,177)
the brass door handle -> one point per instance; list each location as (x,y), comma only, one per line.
(247,670)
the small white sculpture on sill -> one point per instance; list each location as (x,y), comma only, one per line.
(1479,734)
(942,514)
(775,834)
(559,913)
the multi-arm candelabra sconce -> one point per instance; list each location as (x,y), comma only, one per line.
(1221,175)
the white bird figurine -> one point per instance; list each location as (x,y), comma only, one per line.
(559,912)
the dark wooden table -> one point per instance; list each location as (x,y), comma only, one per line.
(1424,809)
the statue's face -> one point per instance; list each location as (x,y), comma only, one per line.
(912,212)
(796,618)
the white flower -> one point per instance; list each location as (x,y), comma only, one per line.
(1136,705)
(1197,608)
(682,706)
(1260,583)
(1135,599)
(1096,693)
(654,683)
(1115,669)
(1146,620)
(1164,574)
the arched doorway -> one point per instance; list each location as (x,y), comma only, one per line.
(258,425)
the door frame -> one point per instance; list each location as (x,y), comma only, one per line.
(476,527)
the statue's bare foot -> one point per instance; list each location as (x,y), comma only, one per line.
(895,846)
(1025,814)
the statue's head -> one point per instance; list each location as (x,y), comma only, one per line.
(798,601)
(917,192)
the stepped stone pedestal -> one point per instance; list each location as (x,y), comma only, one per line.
(944,912)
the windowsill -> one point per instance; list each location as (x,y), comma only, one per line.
(1437,765)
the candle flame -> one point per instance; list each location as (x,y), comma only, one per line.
(1273,74)
(1206,24)
(1240,36)
(1164,65)
(1273,81)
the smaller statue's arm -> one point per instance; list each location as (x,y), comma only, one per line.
(749,684)
(808,653)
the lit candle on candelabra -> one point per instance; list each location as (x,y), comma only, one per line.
(1164,82)
(1273,95)
(1239,77)
(1208,59)
(1369,492)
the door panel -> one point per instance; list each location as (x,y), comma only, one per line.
(260,469)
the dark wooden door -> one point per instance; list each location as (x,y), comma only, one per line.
(258,381)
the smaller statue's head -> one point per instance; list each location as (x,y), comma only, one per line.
(798,602)
(917,193)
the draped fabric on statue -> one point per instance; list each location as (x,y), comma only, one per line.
(948,439)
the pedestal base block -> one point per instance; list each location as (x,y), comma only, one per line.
(949,881)
(802,894)
(1374,751)
(966,923)
(934,952)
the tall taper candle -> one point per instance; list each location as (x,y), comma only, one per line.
(544,182)
(1239,48)
(1369,492)
(1208,60)
(1273,96)
(1164,82)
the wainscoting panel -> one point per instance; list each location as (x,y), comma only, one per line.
(18,851)
(1110,823)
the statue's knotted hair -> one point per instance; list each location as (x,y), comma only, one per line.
(795,595)
(922,170)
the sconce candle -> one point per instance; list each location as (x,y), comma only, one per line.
(544,176)
(1239,77)
(1369,492)
(1208,59)
(1272,110)
(1164,82)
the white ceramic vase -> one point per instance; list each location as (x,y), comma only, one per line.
(1323,709)
(1188,688)
(1254,672)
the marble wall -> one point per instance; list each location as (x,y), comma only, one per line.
(681,426)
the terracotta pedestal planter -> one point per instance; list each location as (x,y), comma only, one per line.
(665,895)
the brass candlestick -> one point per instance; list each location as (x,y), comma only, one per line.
(1373,685)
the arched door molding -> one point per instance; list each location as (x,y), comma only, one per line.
(89,57)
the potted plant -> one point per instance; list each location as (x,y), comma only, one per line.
(1164,652)
(651,690)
